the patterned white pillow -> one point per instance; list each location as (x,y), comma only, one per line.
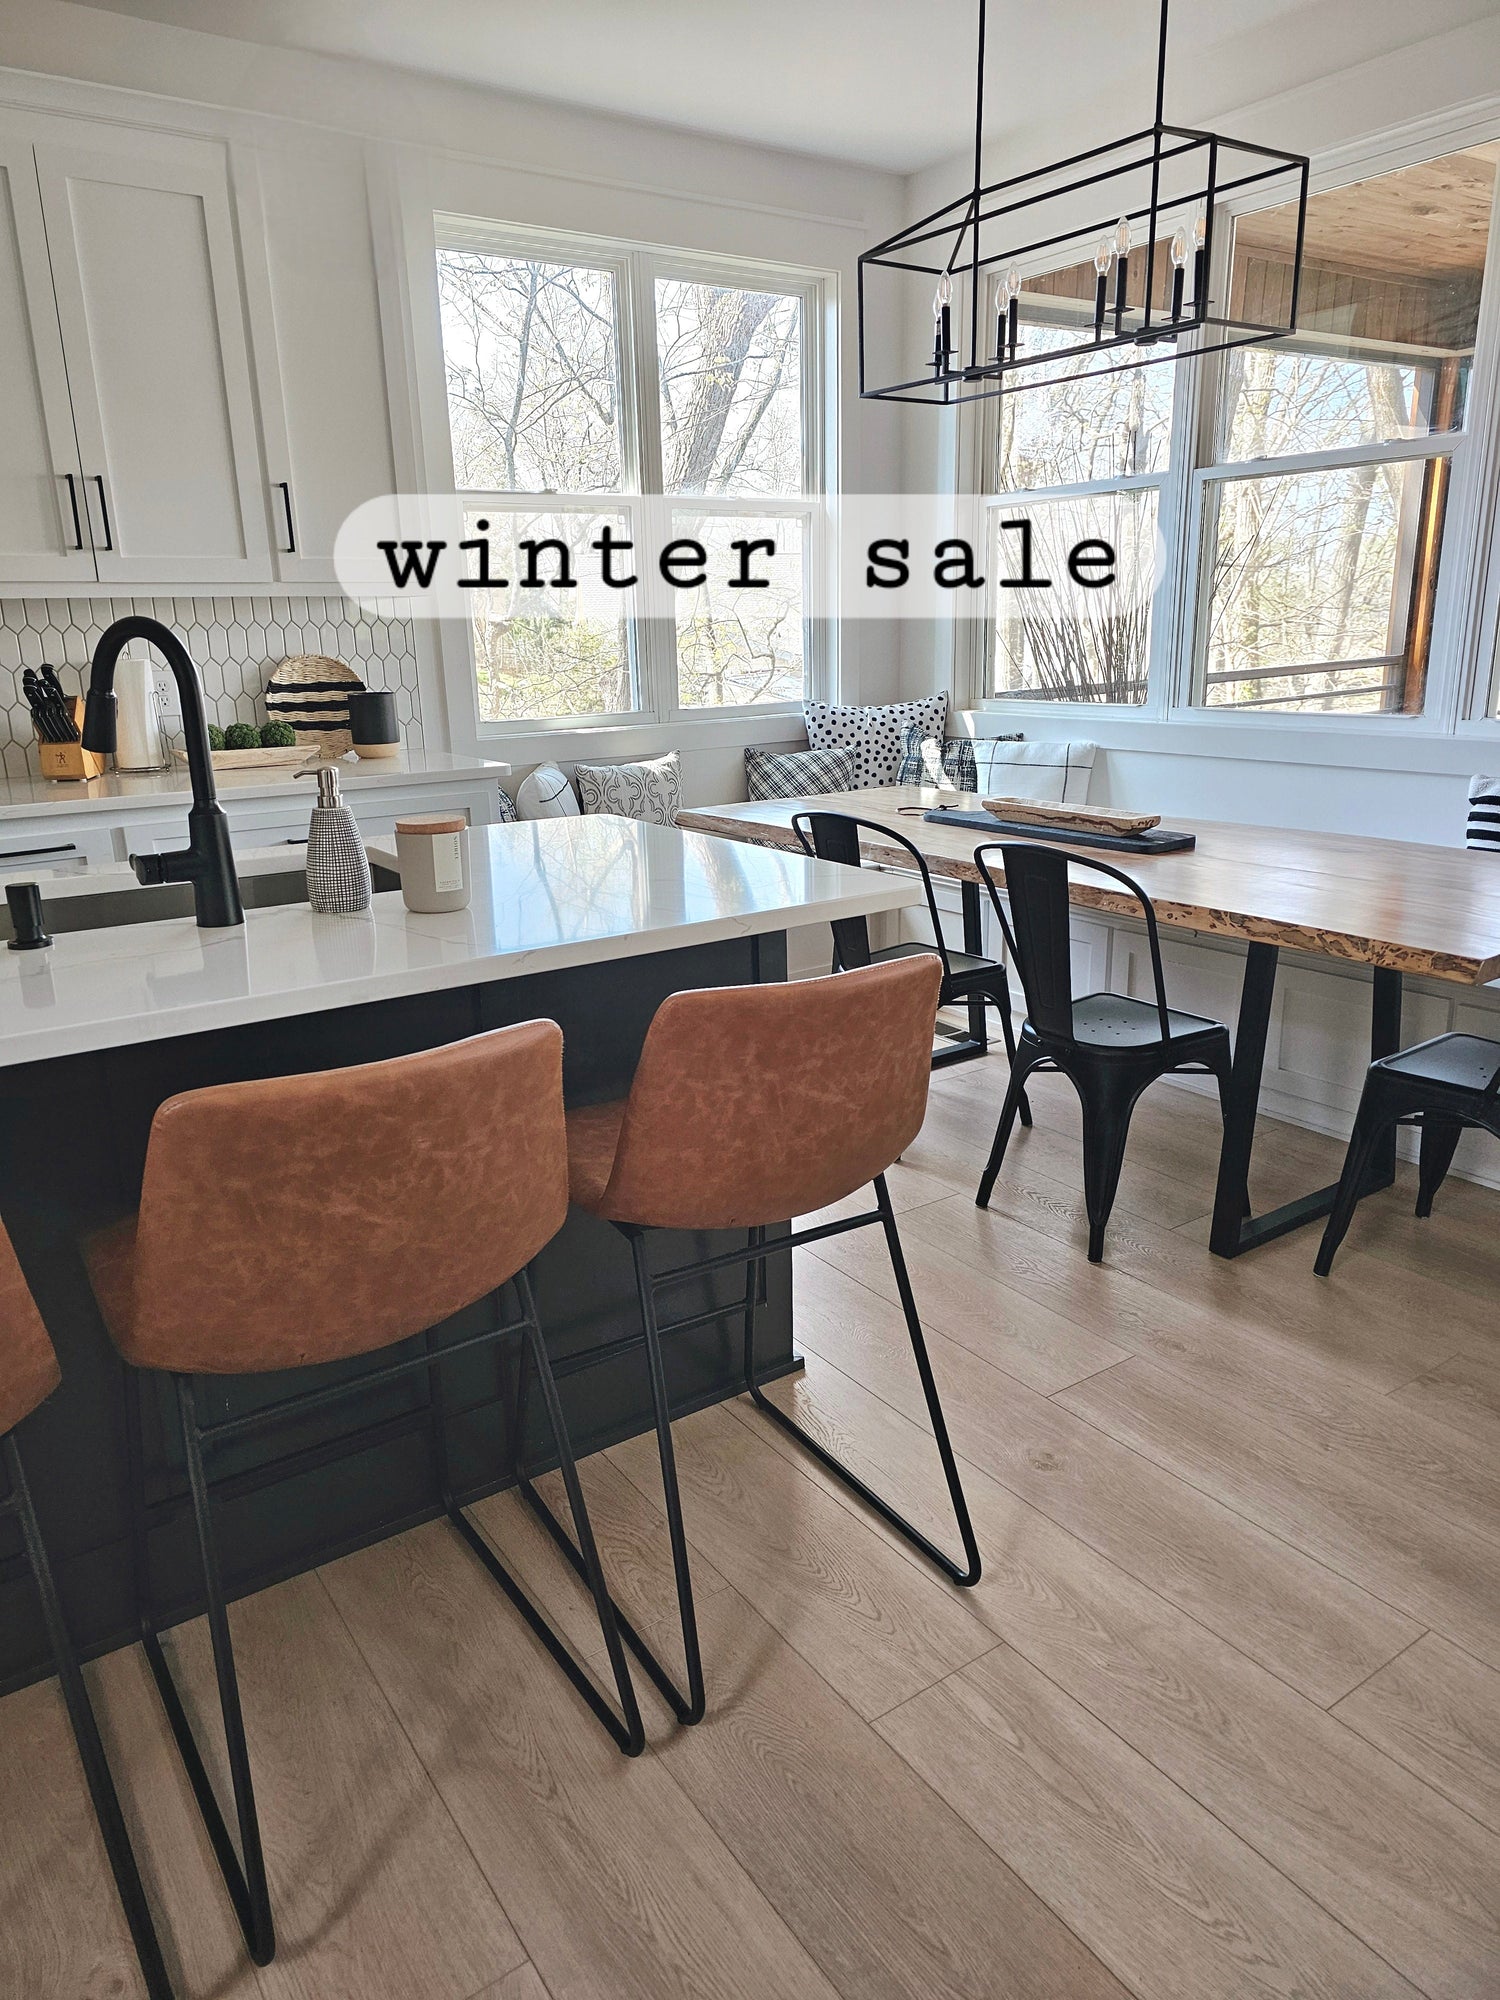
(651,790)
(876,736)
(545,794)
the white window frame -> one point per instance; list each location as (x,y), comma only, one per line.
(1463,684)
(653,641)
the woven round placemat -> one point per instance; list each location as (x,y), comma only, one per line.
(311,691)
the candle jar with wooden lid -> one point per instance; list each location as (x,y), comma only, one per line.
(432,850)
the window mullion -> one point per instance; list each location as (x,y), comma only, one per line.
(656,635)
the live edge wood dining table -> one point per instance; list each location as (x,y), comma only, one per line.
(1397,906)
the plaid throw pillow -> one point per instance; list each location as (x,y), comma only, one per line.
(1484,814)
(791,774)
(929,760)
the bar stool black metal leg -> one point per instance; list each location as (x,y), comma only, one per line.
(965,1573)
(96,1771)
(625,1729)
(245,1874)
(693,1708)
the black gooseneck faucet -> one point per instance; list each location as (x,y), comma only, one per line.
(208,860)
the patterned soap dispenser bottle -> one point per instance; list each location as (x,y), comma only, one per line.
(338,870)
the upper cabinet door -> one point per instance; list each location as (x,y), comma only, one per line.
(314,309)
(43,534)
(148,299)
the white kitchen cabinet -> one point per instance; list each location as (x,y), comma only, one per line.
(315,328)
(42,535)
(141,242)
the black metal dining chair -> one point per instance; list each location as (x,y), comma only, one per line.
(967,978)
(1109,1046)
(1444,1087)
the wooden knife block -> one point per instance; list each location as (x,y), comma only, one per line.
(69,761)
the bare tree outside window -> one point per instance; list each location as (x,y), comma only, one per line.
(537,402)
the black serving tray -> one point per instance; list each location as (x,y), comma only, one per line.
(1155,840)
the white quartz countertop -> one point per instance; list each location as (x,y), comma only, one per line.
(546,894)
(23,798)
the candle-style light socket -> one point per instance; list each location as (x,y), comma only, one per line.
(24,901)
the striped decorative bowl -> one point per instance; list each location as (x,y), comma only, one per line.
(311,692)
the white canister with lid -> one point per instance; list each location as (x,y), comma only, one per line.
(432,850)
(139,745)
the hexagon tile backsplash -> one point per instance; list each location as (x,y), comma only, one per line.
(236,642)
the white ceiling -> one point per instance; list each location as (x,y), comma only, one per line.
(885,83)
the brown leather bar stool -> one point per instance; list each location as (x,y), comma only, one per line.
(750,1105)
(28,1375)
(401,1192)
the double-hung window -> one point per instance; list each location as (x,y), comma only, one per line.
(1081,458)
(1287,504)
(1331,455)
(626,397)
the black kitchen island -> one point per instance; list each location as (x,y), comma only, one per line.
(587,922)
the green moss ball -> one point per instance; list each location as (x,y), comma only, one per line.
(215,737)
(242,736)
(278,736)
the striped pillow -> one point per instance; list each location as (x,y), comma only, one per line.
(1484,814)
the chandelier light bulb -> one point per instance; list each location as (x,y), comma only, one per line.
(1012,283)
(943,296)
(1122,237)
(1200,232)
(1179,248)
(1104,256)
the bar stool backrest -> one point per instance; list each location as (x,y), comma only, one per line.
(752,1104)
(304,1218)
(28,1366)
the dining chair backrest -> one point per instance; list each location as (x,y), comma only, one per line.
(1037,930)
(834,836)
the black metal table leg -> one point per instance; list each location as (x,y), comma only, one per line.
(974,945)
(961,1046)
(1385,1039)
(1233,1229)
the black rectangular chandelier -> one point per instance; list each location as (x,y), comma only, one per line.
(1113,294)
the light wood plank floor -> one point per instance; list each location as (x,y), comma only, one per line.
(1222,1718)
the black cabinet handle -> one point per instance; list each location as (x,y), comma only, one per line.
(109,540)
(286,502)
(73,503)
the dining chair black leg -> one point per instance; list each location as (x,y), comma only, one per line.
(96,1772)
(999,995)
(1015,1090)
(1107,1106)
(1371,1125)
(1440,1137)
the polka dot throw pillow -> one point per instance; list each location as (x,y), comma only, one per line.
(874,737)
